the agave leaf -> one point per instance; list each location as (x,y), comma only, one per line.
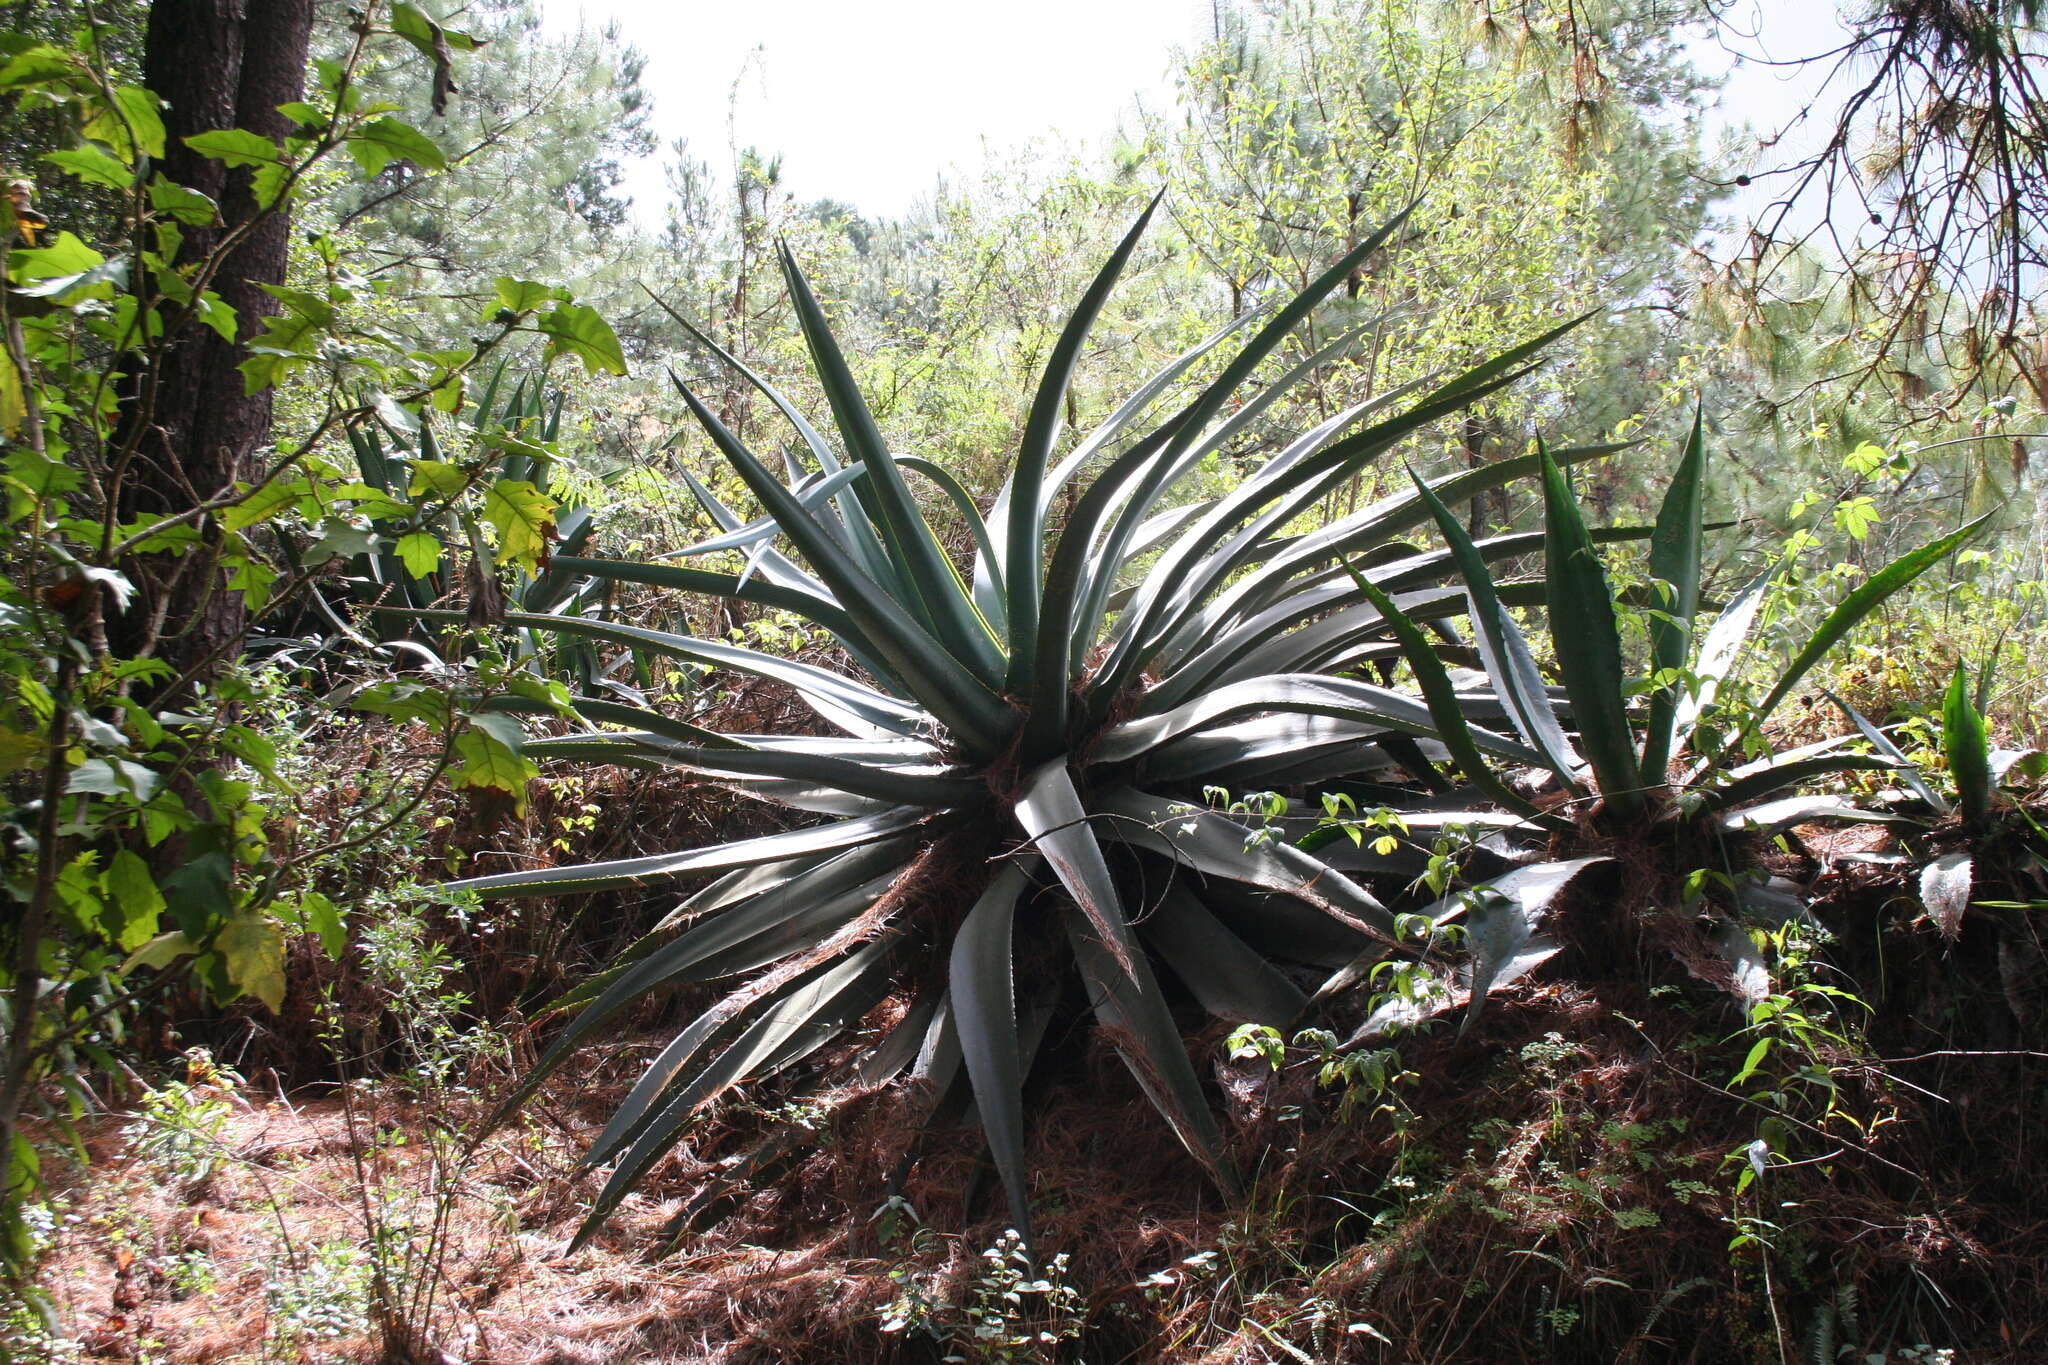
(730,888)
(1162,592)
(1773,816)
(1444,707)
(1217,846)
(859,532)
(991,605)
(947,686)
(1243,754)
(1050,810)
(772,564)
(659,1079)
(1295,693)
(1857,605)
(811,492)
(981,976)
(1718,653)
(1143,397)
(1909,771)
(1172,597)
(1371,529)
(1506,945)
(854,708)
(931,584)
(1128,1001)
(656,868)
(1505,653)
(1230,980)
(1749,974)
(937,790)
(1268,483)
(1065,583)
(773,924)
(1676,549)
(1190,427)
(1259,647)
(603,712)
(806,1017)
(1967,746)
(1782,773)
(1025,541)
(1588,643)
(899,1049)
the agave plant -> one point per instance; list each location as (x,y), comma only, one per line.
(1016,826)
(1654,774)
(1986,851)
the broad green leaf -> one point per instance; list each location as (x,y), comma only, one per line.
(235,146)
(483,760)
(187,206)
(93,166)
(262,504)
(377,144)
(420,552)
(573,329)
(133,125)
(437,477)
(160,952)
(522,296)
(322,918)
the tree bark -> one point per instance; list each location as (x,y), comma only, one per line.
(216,64)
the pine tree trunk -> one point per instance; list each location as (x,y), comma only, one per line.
(216,64)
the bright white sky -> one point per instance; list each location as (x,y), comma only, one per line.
(871,101)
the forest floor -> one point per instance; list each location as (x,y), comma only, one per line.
(1564,1184)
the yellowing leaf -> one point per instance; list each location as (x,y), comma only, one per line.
(273,499)
(13,403)
(129,915)
(483,761)
(160,951)
(252,954)
(437,477)
(524,518)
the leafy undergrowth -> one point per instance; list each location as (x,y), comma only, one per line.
(1581,1176)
